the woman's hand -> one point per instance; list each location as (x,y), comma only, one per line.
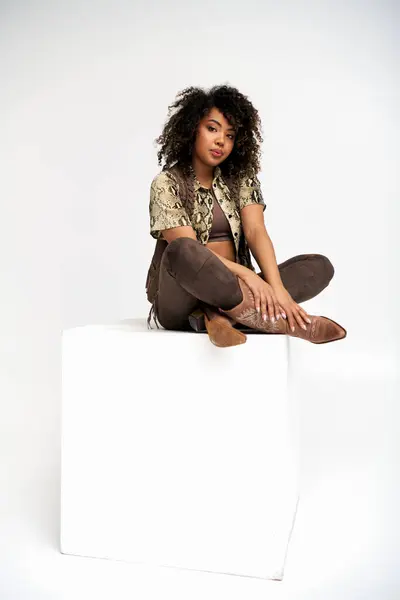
(264,295)
(294,312)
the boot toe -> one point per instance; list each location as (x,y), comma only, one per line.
(329,331)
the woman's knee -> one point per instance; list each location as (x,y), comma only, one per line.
(328,266)
(181,245)
(184,251)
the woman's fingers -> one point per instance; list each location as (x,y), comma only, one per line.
(291,320)
(301,316)
(257,300)
(304,315)
(267,306)
(299,319)
(264,306)
(277,310)
(271,308)
(274,309)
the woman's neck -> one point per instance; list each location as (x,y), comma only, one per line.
(204,173)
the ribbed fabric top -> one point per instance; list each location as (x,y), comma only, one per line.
(221,230)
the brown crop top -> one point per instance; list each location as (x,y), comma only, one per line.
(220,230)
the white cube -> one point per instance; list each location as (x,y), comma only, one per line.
(175,452)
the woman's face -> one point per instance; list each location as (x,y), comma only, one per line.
(214,132)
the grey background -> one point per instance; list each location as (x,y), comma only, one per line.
(84,91)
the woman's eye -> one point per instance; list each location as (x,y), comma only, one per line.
(211,127)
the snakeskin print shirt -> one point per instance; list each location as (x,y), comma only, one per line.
(167,210)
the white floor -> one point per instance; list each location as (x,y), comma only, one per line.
(345,543)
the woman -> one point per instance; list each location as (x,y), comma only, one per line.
(206,213)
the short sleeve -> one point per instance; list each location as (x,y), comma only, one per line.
(166,209)
(250,192)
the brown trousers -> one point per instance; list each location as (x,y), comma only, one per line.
(190,274)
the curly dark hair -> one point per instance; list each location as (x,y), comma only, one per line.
(192,104)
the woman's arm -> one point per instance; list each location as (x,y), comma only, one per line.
(260,243)
(263,251)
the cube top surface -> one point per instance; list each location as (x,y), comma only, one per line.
(261,352)
(139,325)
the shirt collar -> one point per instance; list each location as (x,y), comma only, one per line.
(197,184)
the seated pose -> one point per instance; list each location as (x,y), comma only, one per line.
(206,213)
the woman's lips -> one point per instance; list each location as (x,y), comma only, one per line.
(216,153)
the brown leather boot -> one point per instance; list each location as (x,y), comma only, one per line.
(321,330)
(220,329)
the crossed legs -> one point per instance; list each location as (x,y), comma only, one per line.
(191,274)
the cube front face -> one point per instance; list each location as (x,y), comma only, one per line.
(175,452)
